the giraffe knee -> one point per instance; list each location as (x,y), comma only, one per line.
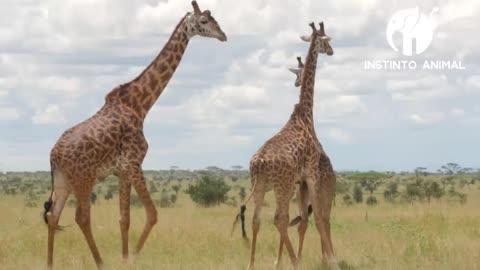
(256,222)
(152,216)
(81,216)
(81,220)
(280,219)
(124,223)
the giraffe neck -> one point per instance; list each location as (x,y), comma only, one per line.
(141,93)
(305,106)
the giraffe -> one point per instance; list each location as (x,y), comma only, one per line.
(112,141)
(294,155)
(298,71)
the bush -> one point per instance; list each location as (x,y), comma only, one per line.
(31,199)
(371,200)
(164,200)
(208,191)
(72,202)
(391,192)
(108,195)
(457,196)
(176,188)
(357,193)
(242,193)
(347,199)
(135,201)
(93,198)
(432,189)
(232,201)
(173,198)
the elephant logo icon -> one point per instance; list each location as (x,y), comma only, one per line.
(416,29)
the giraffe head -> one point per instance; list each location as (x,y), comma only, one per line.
(203,24)
(320,39)
(298,71)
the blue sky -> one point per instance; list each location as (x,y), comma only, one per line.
(59,58)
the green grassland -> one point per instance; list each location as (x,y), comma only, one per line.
(404,234)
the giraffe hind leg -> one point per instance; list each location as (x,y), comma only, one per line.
(82,217)
(124,197)
(58,200)
(258,198)
(303,200)
(281,221)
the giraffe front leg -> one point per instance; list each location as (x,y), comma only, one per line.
(124,190)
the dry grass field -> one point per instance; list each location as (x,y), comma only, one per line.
(438,235)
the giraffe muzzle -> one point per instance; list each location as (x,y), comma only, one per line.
(222,37)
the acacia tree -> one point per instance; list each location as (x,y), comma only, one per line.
(449,170)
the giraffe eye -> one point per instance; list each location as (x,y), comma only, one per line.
(204,21)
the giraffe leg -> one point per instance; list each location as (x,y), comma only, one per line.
(258,202)
(303,207)
(281,221)
(59,198)
(280,253)
(136,177)
(331,260)
(322,221)
(124,190)
(82,217)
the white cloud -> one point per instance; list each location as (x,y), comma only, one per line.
(50,115)
(339,135)
(337,108)
(9,114)
(457,112)
(426,119)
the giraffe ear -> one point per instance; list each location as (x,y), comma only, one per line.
(296,71)
(306,38)
(327,38)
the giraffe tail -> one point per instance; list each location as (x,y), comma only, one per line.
(241,215)
(47,206)
(297,220)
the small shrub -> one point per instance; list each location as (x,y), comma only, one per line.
(93,198)
(135,201)
(391,192)
(108,195)
(347,199)
(232,201)
(371,200)
(242,193)
(208,191)
(176,188)
(153,188)
(173,198)
(72,202)
(164,200)
(357,194)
